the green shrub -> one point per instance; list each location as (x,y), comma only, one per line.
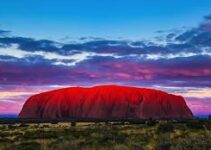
(26,146)
(12,126)
(137,147)
(181,127)
(112,136)
(40,134)
(193,143)
(2,127)
(164,141)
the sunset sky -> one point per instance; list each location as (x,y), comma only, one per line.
(49,44)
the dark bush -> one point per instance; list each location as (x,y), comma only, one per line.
(23,125)
(73,124)
(4,134)
(151,123)
(5,140)
(27,146)
(137,147)
(208,124)
(165,127)
(195,124)
(164,146)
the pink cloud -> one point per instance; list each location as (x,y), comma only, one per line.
(199,106)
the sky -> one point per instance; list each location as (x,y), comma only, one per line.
(160,44)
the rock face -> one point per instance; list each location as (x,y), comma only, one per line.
(106,102)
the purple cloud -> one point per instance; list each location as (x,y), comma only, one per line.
(183,60)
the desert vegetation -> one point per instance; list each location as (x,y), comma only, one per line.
(149,135)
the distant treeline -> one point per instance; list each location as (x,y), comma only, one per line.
(133,121)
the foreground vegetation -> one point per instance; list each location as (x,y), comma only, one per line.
(149,135)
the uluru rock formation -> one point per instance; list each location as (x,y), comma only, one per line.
(106,102)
